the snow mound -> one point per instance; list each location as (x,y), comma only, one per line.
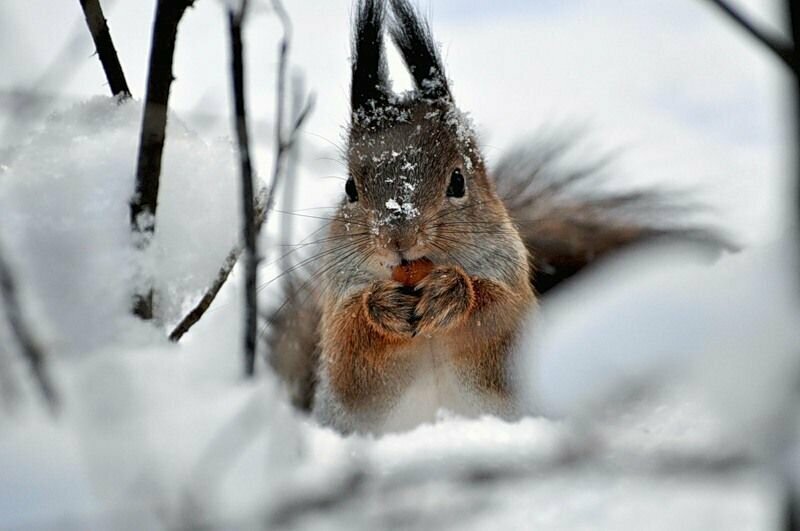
(65,221)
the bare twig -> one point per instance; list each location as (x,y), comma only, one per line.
(222,276)
(785,51)
(151,142)
(27,343)
(793,8)
(283,143)
(105,48)
(265,200)
(235,21)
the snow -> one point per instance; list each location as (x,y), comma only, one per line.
(75,188)
(658,387)
(392,204)
(728,330)
(407,208)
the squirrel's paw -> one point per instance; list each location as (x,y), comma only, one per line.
(390,308)
(447,296)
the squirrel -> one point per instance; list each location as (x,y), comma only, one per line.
(368,353)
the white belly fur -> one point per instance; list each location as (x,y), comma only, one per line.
(435,387)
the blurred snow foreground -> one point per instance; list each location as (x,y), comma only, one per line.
(668,383)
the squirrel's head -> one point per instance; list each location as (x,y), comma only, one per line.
(417,182)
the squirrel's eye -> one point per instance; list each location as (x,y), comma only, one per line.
(350,189)
(456,186)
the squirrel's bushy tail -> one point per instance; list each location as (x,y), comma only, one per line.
(565,219)
(568,221)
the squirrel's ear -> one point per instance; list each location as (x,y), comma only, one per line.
(370,81)
(412,35)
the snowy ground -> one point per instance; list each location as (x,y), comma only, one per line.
(662,392)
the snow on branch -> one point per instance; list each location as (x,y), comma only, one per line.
(101,36)
(151,142)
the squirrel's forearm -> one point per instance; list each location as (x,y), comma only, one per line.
(356,352)
(498,307)
(485,340)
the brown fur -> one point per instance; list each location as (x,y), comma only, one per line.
(478,317)
(358,340)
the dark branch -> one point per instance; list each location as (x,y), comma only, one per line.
(266,196)
(154,124)
(235,20)
(785,51)
(793,8)
(27,343)
(105,48)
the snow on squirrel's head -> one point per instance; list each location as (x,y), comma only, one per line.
(412,158)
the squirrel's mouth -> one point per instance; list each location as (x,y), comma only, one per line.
(392,259)
(412,254)
(393,263)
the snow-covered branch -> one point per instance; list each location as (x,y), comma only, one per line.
(151,143)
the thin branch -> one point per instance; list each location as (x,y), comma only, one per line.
(793,8)
(151,141)
(105,48)
(233,256)
(785,51)
(235,20)
(280,102)
(28,345)
(222,276)
(265,200)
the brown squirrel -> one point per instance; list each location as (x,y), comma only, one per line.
(367,353)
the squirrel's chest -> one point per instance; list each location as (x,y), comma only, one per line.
(433,386)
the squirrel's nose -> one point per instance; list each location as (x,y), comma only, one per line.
(402,241)
(402,245)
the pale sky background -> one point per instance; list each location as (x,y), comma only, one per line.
(690,99)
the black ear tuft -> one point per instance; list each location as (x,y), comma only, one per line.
(412,35)
(370,80)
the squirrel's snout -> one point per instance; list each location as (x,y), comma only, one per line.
(402,242)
